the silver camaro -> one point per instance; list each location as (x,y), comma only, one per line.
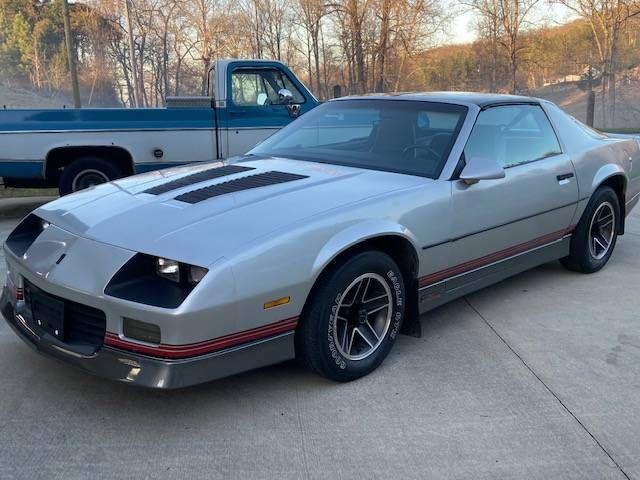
(323,243)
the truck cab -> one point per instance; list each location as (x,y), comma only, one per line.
(73,149)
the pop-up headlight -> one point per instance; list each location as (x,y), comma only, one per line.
(25,234)
(157,281)
(168,269)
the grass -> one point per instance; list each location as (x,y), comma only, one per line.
(10,192)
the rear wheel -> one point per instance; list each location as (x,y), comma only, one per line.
(353,318)
(595,236)
(87,172)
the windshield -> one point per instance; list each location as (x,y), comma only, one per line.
(410,137)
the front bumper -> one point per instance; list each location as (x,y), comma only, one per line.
(143,370)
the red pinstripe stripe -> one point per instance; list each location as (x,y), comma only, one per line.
(201,348)
(491,258)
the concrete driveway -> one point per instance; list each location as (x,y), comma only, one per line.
(535,378)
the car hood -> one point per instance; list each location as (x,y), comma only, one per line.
(123,214)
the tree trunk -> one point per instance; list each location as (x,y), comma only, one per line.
(358,47)
(316,57)
(71,53)
(514,72)
(135,94)
(382,47)
(324,65)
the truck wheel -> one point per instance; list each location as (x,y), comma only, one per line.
(86,172)
(353,318)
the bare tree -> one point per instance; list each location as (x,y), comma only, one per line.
(505,20)
(313,11)
(606,19)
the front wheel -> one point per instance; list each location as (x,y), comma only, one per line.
(595,236)
(87,172)
(353,318)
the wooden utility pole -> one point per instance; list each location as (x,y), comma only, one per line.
(71,53)
(591,99)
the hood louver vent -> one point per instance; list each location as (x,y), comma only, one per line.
(236,185)
(192,179)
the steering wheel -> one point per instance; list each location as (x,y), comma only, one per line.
(417,146)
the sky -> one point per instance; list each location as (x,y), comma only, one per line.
(463,28)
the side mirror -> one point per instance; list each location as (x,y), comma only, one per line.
(285,97)
(481,168)
(294,110)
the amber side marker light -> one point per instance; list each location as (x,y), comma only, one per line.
(277,303)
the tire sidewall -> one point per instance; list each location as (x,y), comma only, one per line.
(329,299)
(77,167)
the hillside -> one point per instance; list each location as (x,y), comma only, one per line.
(574,100)
(567,95)
(14,97)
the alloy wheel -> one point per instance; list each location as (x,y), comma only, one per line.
(362,317)
(602,230)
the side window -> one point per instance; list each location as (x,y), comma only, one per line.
(259,87)
(512,135)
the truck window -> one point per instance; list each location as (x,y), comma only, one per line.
(259,87)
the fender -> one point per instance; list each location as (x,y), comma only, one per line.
(358,233)
(84,143)
(605,172)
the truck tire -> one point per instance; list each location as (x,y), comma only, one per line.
(86,172)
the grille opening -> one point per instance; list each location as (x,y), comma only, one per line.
(84,327)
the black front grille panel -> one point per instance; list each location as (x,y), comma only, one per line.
(238,184)
(83,325)
(87,324)
(194,178)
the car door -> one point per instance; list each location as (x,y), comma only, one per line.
(498,222)
(254,110)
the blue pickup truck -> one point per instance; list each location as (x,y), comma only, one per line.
(74,149)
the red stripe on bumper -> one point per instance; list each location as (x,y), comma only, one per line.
(491,258)
(201,348)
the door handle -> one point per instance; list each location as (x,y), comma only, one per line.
(564,178)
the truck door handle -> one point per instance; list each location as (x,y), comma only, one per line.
(564,178)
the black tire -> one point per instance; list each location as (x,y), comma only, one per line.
(317,344)
(583,256)
(86,171)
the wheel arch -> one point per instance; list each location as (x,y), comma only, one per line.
(60,157)
(614,177)
(395,241)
